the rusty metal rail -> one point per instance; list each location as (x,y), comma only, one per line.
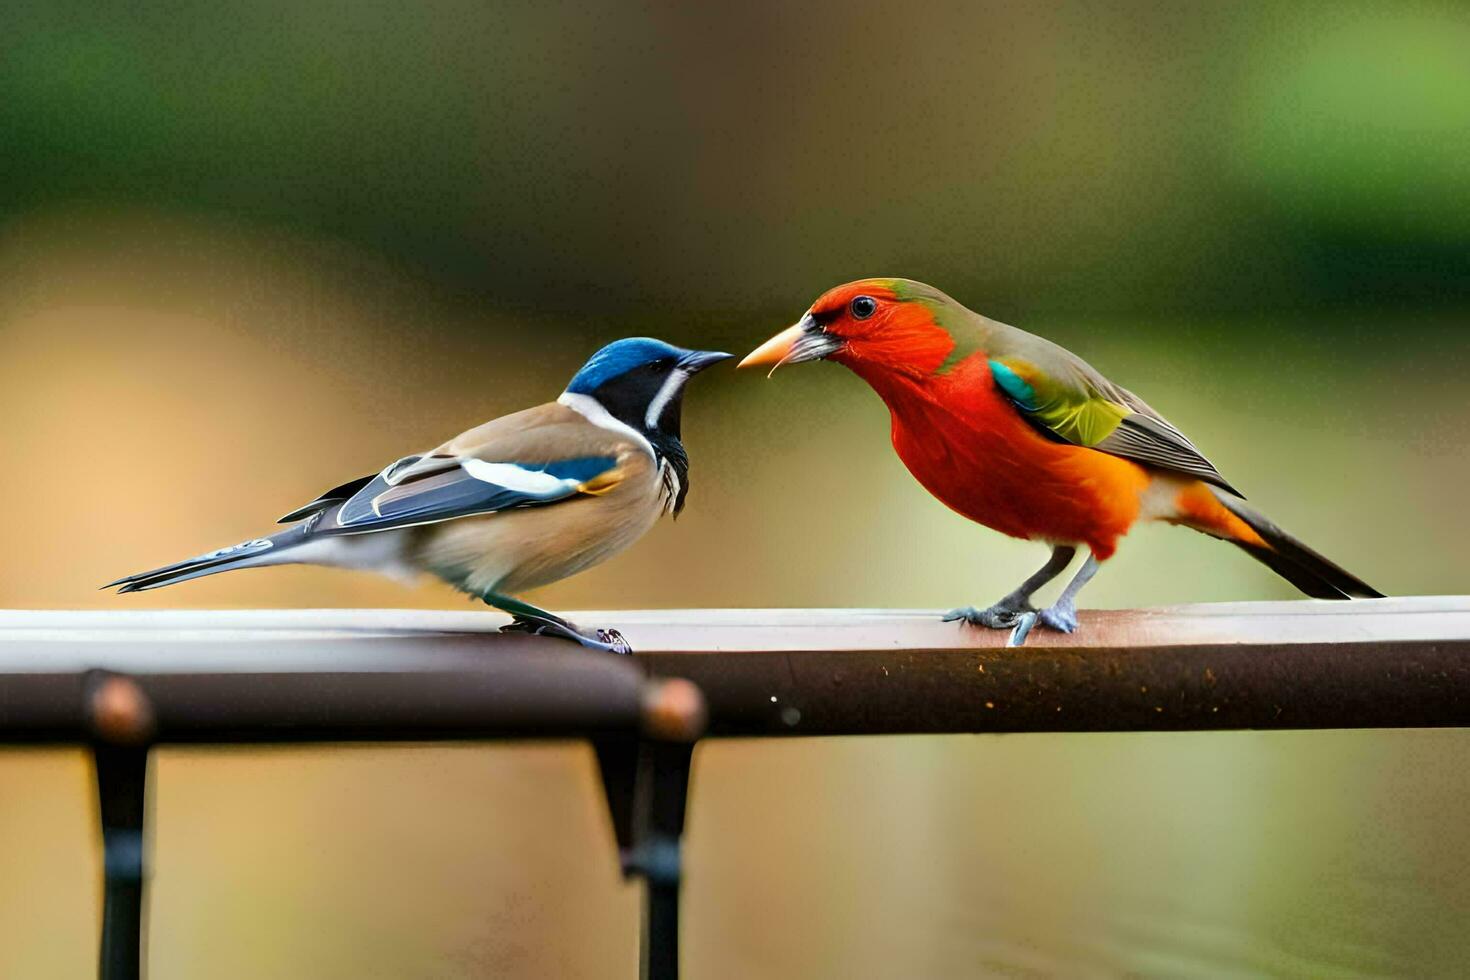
(122,685)
(122,682)
(1388,663)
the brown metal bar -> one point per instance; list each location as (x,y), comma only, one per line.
(284,676)
(1382,663)
(873,692)
(437,688)
(123,682)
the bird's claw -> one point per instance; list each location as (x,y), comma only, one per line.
(615,641)
(1062,618)
(521,626)
(605,640)
(1000,616)
(1022,629)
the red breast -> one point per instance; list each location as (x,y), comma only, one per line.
(974,451)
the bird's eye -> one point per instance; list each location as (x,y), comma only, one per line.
(863,307)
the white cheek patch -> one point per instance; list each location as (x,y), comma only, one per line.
(670,388)
(517,478)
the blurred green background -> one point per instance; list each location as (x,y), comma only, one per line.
(250,250)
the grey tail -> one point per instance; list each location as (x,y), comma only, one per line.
(1304,568)
(257,551)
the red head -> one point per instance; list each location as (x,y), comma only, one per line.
(892,324)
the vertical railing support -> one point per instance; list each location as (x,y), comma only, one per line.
(646,781)
(663,792)
(122,724)
(617,764)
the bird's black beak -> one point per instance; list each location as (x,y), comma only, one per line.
(804,340)
(697,360)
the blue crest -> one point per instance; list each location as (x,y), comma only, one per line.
(618,358)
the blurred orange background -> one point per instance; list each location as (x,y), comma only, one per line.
(247,253)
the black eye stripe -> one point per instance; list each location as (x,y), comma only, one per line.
(863,307)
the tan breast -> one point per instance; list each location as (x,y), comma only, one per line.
(527,547)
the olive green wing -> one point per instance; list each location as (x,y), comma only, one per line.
(1068,400)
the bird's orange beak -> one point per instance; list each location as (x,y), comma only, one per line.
(775,349)
(804,340)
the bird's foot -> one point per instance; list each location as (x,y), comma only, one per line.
(1003,615)
(1061,617)
(605,640)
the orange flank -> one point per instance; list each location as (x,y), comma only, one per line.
(1200,509)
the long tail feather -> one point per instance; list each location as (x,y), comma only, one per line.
(257,551)
(1288,557)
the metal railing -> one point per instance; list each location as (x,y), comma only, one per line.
(124,682)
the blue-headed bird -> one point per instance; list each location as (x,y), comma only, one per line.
(516,503)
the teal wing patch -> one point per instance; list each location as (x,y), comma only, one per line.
(1071,412)
(1015,387)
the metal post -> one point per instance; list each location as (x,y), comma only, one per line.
(617,764)
(664,771)
(121,720)
(674,717)
(121,784)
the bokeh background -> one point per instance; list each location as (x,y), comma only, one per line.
(250,250)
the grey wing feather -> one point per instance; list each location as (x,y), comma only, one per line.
(1145,436)
(1148,438)
(345,491)
(460,488)
(537,456)
(333,496)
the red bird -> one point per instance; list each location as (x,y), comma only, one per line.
(1023,436)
